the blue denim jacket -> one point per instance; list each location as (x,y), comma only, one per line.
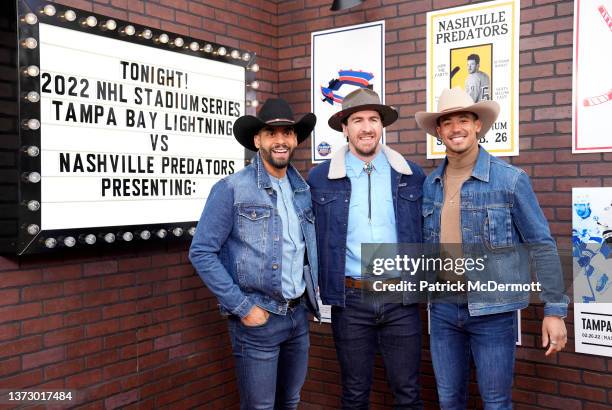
(499,211)
(237,246)
(331,194)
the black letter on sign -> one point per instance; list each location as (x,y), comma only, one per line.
(164,141)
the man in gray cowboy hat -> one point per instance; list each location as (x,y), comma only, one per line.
(367,193)
(254,247)
(485,206)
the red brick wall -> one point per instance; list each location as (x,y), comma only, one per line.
(130,328)
(569,380)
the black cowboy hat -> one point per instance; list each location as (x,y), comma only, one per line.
(275,112)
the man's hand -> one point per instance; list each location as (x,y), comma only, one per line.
(256,317)
(553,331)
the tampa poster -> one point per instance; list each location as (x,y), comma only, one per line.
(592,80)
(592,255)
(476,48)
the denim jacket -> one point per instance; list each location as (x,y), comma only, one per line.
(237,246)
(499,211)
(331,194)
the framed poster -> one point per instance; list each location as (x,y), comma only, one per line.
(342,60)
(125,128)
(592,256)
(592,89)
(476,48)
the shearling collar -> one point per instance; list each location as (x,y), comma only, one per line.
(337,166)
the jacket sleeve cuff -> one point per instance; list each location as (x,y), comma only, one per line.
(243,308)
(555,309)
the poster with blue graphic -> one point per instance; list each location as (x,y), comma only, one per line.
(592,256)
(342,60)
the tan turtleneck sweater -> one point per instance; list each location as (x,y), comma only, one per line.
(457,171)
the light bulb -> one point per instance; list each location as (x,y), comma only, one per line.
(32,97)
(129,30)
(49,10)
(33,205)
(30,18)
(70,15)
(91,21)
(33,229)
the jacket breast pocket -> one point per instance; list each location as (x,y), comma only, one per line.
(498,228)
(253,223)
(323,203)
(411,194)
(323,198)
(428,222)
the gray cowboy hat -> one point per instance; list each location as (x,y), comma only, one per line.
(275,112)
(362,99)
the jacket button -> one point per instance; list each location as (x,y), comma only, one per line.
(346,200)
(411,196)
(275,266)
(322,198)
(253,214)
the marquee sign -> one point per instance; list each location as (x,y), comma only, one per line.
(124,128)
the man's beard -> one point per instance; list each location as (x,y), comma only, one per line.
(276,163)
(365,153)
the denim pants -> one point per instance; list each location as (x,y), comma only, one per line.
(366,324)
(489,339)
(271,359)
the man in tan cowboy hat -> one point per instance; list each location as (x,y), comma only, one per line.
(254,247)
(367,193)
(484,205)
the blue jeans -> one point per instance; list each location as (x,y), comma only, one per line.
(364,325)
(489,339)
(271,359)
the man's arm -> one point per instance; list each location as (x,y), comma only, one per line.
(215,226)
(533,228)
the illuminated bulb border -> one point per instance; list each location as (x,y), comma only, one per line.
(91,21)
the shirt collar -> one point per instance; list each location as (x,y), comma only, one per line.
(354,165)
(263,178)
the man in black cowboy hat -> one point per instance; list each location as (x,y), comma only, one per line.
(254,247)
(367,193)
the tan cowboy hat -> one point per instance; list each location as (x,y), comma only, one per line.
(362,99)
(457,100)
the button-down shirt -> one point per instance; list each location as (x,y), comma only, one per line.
(381,228)
(292,276)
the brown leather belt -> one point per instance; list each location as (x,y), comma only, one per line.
(291,303)
(366,284)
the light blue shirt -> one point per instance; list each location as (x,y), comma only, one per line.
(381,228)
(292,276)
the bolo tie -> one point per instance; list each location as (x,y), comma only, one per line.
(368,168)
